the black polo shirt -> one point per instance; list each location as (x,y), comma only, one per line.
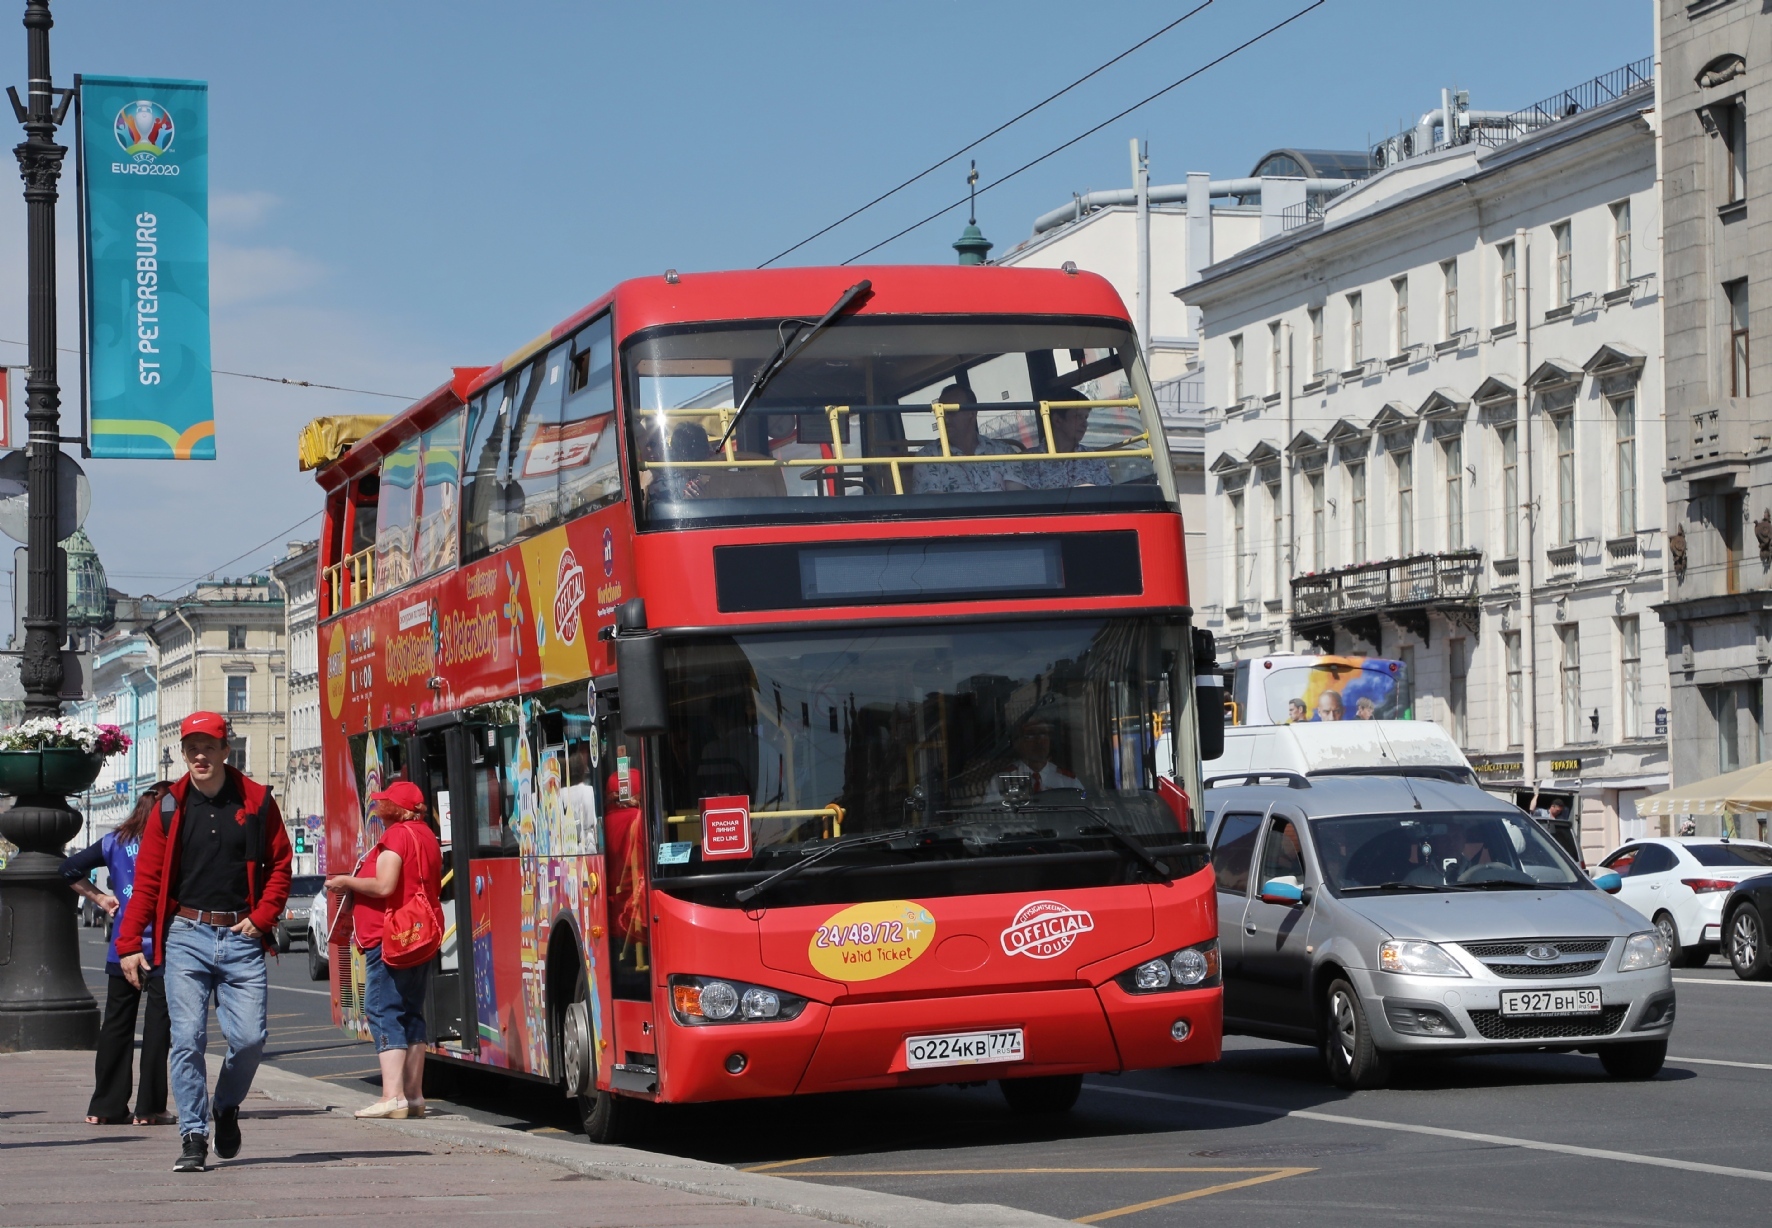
(212,851)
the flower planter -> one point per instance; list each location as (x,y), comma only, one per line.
(57,771)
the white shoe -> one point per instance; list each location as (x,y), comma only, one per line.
(397,1109)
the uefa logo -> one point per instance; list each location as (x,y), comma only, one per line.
(144,129)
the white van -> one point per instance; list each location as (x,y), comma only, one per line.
(1340,748)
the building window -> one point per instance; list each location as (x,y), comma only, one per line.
(1319,547)
(237,754)
(1449,275)
(1621,245)
(1237,368)
(1401,288)
(1516,690)
(1316,319)
(1275,366)
(1277,507)
(1455,494)
(1510,491)
(1630,676)
(237,693)
(1455,693)
(1565,279)
(1356,474)
(1722,700)
(1405,461)
(1624,443)
(236,637)
(1356,330)
(1508,274)
(1731,121)
(1736,293)
(1239,547)
(1732,510)
(1564,426)
(1569,673)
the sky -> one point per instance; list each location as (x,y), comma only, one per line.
(401,187)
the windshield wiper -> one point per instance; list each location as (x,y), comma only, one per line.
(1159,868)
(747,894)
(786,352)
(1508,884)
(1403,887)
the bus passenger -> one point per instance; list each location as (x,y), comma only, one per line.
(964,440)
(1068,428)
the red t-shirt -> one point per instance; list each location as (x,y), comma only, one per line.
(421,864)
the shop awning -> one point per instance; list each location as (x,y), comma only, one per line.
(1741,792)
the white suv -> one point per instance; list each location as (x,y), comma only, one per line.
(1680,883)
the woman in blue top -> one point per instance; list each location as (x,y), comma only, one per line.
(109,1106)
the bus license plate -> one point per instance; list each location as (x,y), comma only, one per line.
(963,1049)
(1550,1001)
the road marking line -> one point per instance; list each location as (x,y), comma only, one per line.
(1011,1172)
(1717,1061)
(1281,1175)
(1707,980)
(763,1168)
(1470,1136)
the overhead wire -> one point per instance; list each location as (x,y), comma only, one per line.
(269,379)
(1112,119)
(1008,123)
(280,534)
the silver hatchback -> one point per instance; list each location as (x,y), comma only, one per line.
(1375,916)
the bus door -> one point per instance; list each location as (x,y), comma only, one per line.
(627,945)
(437,768)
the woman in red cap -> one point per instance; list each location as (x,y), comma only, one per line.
(406,861)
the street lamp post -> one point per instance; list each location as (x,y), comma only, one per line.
(44,1002)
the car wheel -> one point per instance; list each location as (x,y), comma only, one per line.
(1640,1059)
(281,937)
(1042,1093)
(1678,956)
(1745,940)
(316,962)
(1354,1061)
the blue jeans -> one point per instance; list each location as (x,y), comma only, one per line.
(394,1001)
(202,960)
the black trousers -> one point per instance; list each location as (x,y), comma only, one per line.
(116,1048)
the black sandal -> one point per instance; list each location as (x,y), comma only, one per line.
(95,1120)
(155,1119)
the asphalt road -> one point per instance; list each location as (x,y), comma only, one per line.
(1260,1138)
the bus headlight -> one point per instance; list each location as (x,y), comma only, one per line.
(698,1000)
(1194,967)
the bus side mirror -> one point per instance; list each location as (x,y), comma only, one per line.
(639,667)
(1208,696)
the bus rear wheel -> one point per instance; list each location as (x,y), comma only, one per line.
(1042,1093)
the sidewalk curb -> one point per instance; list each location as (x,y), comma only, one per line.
(835,1204)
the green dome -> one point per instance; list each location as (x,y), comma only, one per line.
(88,603)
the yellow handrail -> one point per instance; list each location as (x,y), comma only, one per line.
(833,812)
(361,586)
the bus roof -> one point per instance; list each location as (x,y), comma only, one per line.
(646,302)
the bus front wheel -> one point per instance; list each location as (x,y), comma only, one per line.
(1042,1093)
(606,1117)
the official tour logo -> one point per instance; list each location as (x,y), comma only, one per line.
(1045,929)
(145,130)
(569,596)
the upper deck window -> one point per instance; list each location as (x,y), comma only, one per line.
(895,416)
(442,482)
(394,517)
(539,448)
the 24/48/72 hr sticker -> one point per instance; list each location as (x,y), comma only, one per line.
(867,941)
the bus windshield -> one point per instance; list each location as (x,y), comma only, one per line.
(893,416)
(1008,736)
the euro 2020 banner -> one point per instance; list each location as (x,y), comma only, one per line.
(144,161)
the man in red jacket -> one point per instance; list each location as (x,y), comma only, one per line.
(212,876)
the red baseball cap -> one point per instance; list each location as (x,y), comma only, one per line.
(403,793)
(210,723)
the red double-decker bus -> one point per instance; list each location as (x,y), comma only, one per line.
(800,665)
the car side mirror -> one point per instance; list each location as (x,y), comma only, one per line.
(1274,891)
(1608,881)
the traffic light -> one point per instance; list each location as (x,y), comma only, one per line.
(301,840)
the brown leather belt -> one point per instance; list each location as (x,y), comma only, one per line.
(212,918)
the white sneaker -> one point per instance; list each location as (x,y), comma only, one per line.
(397,1109)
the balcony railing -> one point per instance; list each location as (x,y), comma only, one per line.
(1404,590)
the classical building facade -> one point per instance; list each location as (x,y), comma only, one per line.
(1435,434)
(124,693)
(303,796)
(1716,150)
(221,649)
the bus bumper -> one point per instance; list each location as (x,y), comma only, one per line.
(1145,1026)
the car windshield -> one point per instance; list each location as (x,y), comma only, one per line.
(305,885)
(1731,854)
(1004,737)
(1339,689)
(1464,850)
(894,416)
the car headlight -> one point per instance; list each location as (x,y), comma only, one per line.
(1413,957)
(698,1000)
(1645,950)
(1194,967)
